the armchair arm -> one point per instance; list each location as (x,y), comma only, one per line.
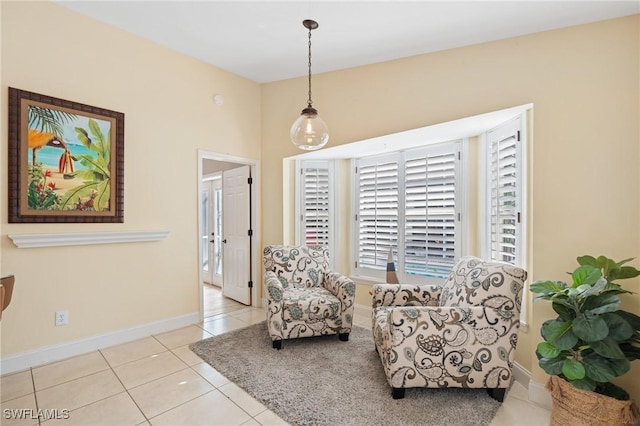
(344,289)
(274,293)
(273,286)
(405,295)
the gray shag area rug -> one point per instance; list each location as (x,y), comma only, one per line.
(323,381)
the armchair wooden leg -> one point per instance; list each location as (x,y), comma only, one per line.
(397,393)
(497,394)
(343,337)
(277,344)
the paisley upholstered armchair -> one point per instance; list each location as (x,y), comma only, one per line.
(304,297)
(462,333)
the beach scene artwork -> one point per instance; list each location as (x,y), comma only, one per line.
(68,161)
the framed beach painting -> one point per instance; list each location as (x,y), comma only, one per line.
(66,161)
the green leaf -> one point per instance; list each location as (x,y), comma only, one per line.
(107,151)
(602,369)
(587,260)
(615,288)
(630,351)
(585,274)
(93,165)
(619,329)
(593,289)
(607,265)
(546,287)
(83,137)
(622,262)
(590,327)
(584,384)
(598,369)
(547,350)
(95,129)
(573,369)
(103,196)
(559,334)
(48,120)
(102,144)
(601,304)
(551,366)
(73,195)
(563,310)
(613,391)
(607,348)
(627,272)
(620,366)
(631,318)
(615,367)
(49,201)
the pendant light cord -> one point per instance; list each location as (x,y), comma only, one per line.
(309,102)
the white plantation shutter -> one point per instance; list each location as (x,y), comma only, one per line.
(377,211)
(505,192)
(408,201)
(430,211)
(315,205)
(315,222)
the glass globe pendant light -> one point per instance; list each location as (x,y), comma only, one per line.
(309,131)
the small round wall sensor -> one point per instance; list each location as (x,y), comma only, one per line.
(218,99)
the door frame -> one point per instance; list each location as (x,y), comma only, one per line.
(256,252)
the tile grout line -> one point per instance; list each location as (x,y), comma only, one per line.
(124,387)
(35,394)
(230,382)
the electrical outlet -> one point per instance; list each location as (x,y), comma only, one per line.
(62,317)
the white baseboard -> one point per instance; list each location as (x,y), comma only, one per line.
(521,375)
(536,391)
(47,354)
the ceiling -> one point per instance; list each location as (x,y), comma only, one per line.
(265,41)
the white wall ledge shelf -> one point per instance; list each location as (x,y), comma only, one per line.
(77,239)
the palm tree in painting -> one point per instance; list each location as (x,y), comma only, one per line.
(45,129)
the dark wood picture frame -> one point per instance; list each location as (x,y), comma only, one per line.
(86,183)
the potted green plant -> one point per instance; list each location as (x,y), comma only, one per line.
(589,343)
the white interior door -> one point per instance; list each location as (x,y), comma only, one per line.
(236,222)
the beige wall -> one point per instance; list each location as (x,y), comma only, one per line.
(584,188)
(169,114)
(583,178)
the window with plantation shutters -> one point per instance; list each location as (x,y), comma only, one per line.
(377,211)
(505,192)
(408,202)
(315,206)
(430,212)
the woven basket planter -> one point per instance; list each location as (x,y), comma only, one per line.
(576,407)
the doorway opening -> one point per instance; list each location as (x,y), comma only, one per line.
(211,199)
(228,249)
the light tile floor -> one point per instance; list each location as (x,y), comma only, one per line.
(159,381)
